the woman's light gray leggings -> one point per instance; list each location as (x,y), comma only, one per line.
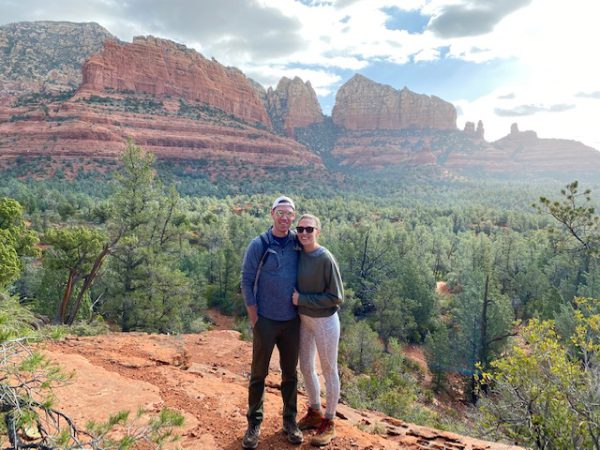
(320,334)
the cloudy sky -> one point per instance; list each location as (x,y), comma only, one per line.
(533,62)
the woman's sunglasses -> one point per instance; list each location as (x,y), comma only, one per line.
(303,229)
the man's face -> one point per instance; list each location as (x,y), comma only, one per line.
(283,217)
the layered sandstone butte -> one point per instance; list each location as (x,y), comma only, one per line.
(362,104)
(163,69)
(519,153)
(164,97)
(381,126)
(46,56)
(293,104)
(99,127)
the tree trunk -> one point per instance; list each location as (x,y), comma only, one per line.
(483,341)
(483,349)
(62,307)
(87,284)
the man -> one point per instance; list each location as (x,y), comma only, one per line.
(268,281)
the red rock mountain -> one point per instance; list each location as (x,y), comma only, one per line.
(166,69)
(165,97)
(293,105)
(180,105)
(362,104)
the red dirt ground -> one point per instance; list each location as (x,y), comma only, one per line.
(204,376)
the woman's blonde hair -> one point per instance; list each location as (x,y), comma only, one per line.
(312,217)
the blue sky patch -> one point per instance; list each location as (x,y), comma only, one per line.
(399,19)
(448,78)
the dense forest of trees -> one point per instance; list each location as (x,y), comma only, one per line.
(150,251)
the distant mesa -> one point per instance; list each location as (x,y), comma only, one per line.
(525,151)
(528,135)
(362,104)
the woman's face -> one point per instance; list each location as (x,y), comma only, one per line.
(308,239)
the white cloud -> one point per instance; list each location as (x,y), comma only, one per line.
(427,54)
(555,44)
(472,17)
(320,80)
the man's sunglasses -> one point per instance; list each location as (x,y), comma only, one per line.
(281,213)
(303,229)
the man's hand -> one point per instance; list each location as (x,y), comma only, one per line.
(295,296)
(252,314)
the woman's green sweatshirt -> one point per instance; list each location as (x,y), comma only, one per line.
(319,282)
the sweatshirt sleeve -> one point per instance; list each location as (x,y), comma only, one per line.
(249,269)
(334,290)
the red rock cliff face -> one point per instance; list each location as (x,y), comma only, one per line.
(293,105)
(164,68)
(362,104)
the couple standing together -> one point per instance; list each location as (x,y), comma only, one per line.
(292,294)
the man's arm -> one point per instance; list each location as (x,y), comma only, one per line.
(249,269)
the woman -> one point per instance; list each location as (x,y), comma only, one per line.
(320,292)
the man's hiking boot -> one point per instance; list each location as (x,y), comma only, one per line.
(324,434)
(251,436)
(292,432)
(312,419)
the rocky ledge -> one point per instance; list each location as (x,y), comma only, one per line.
(205,377)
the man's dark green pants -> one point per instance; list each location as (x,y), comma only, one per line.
(266,335)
